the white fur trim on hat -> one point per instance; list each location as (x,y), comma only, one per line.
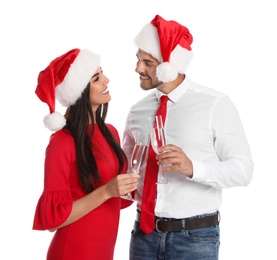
(77,77)
(54,121)
(148,41)
(181,58)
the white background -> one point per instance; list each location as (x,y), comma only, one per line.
(234,52)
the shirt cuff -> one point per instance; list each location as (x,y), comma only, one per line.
(199,171)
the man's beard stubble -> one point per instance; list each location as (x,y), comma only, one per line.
(153,86)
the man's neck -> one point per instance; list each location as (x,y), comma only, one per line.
(167,87)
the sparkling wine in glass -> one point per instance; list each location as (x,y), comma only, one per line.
(158,140)
(138,155)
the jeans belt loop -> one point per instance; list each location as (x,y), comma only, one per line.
(183,222)
(218,216)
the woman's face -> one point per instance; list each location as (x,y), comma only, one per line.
(99,93)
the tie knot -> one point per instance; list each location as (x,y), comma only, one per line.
(162,108)
(164,99)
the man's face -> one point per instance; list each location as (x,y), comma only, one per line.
(146,68)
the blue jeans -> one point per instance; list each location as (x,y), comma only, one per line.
(195,244)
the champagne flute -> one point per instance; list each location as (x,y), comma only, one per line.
(158,140)
(138,156)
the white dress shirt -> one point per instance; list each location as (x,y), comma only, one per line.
(205,124)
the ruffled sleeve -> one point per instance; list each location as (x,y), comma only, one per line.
(55,203)
(52,210)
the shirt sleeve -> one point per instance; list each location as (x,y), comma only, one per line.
(55,203)
(233,165)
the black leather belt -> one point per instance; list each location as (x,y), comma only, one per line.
(165,225)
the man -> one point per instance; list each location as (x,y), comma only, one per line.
(206,151)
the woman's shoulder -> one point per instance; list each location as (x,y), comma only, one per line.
(113,130)
(111,127)
(62,133)
(62,137)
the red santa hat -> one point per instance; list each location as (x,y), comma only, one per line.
(65,79)
(168,42)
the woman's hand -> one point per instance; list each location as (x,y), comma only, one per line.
(122,184)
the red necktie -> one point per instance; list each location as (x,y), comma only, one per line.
(147,217)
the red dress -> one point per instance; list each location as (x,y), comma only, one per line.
(94,235)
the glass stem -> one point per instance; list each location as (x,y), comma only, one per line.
(162,170)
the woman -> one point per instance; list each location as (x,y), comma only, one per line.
(84,163)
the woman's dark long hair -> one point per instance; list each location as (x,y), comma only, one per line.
(77,120)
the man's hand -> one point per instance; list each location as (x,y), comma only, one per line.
(174,159)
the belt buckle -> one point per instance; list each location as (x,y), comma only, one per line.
(156,225)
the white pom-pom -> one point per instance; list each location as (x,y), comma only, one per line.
(166,72)
(54,121)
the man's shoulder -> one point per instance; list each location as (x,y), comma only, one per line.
(205,90)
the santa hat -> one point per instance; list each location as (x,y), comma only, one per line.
(168,42)
(65,79)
